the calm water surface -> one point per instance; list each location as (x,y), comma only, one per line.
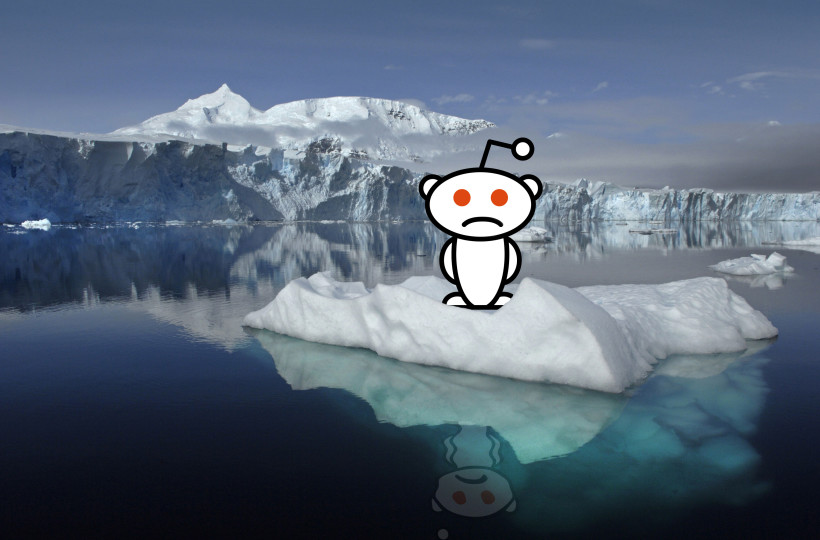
(133,403)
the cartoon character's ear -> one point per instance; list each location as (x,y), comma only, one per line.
(427,184)
(533,184)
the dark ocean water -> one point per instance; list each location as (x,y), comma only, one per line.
(133,402)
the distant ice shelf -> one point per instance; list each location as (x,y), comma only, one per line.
(603,338)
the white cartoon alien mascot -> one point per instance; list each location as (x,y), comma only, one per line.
(481,208)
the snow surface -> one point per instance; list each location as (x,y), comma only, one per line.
(603,338)
(42,224)
(754,265)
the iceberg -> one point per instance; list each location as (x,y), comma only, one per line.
(532,234)
(41,224)
(754,265)
(806,244)
(602,338)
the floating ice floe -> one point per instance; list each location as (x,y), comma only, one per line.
(41,224)
(754,265)
(230,222)
(603,338)
(807,244)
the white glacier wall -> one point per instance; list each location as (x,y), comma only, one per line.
(69,179)
(602,201)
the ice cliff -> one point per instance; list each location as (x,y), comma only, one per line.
(602,201)
(70,178)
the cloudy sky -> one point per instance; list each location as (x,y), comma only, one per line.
(722,94)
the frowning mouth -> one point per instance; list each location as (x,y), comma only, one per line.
(482,218)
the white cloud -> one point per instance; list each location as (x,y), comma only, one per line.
(711,88)
(391,67)
(459,98)
(535,98)
(752,81)
(537,44)
(601,85)
(493,102)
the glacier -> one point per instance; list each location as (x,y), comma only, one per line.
(67,178)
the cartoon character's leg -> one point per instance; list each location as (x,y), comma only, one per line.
(503,298)
(454,299)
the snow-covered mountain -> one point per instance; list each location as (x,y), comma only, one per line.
(362,127)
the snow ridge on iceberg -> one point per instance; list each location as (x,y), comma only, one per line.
(546,333)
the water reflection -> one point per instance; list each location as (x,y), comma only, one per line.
(680,441)
(206,278)
(538,421)
(67,265)
(475,488)
(571,457)
(770,281)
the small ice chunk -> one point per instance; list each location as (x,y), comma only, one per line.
(807,244)
(531,234)
(230,222)
(754,265)
(41,224)
(602,338)
(815,241)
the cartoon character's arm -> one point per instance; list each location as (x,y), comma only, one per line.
(513,260)
(446,260)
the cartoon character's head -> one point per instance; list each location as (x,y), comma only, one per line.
(482,203)
(474,492)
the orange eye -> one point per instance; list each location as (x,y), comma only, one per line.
(459,497)
(499,197)
(461,197)
(487,497)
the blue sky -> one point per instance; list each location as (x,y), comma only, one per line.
(647,78)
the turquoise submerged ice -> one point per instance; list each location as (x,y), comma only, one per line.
(603,338)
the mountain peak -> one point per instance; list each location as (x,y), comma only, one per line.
(365,126)
(221,97)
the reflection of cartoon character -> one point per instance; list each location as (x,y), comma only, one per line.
(481,208)
(474,490)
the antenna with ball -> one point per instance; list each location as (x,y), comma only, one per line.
(521,148)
